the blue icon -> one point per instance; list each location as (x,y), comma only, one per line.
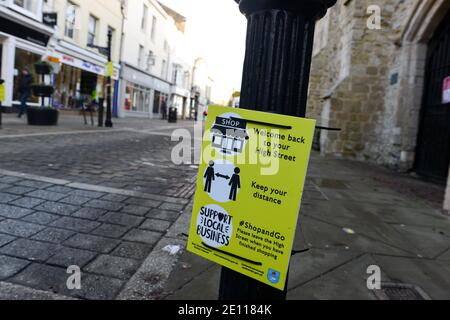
(273,276)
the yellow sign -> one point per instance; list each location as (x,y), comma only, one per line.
(53,59)
(249,190)
(2,92)
(109,69)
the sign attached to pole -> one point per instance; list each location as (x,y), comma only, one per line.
(109,68)
(249,190)
(2,92)
(446,91)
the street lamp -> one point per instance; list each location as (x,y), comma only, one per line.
(194,95)
(107,51)
(278,55)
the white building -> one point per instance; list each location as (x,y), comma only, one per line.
(156,61)
(80,24)
(23,41)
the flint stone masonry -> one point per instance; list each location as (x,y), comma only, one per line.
(369,82)
(350,71)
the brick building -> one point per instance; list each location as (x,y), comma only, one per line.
(384,85)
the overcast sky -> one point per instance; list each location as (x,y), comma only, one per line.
(216,29)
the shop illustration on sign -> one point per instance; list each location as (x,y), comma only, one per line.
(229,134)
(243,218)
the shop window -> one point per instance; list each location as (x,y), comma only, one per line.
(137,98)
(24,59)
(153,32)
(69,30)
(144,18)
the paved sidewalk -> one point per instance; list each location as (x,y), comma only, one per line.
(100,199)
(407,237)
(48,225)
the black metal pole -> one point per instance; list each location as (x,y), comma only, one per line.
(100,111)
(108,122)
(280,35)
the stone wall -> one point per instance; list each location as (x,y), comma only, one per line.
(354,81)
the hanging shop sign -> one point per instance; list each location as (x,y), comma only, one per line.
(446,91)
(50,18)
(249,190)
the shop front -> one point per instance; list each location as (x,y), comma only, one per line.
(141,94)
(179,100)
(22,44)
(79,81)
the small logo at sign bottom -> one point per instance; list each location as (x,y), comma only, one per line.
(273,276)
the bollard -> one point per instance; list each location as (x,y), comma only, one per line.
(100,111)
(280,35)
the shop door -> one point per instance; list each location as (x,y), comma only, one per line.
(156,102)
(433,153)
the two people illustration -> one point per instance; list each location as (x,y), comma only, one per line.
(235,181)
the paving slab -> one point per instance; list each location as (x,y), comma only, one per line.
(122,219)
(113,266)
(75,224)
(19,228)
(53,235)
(30,249)
(57,208)
(69,256)
(90,242)
(9,291)
(143,236)
(13,212)
(27,202)
(11,266)
(133,250)
(111,230)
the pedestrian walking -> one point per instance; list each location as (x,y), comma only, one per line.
(25,82)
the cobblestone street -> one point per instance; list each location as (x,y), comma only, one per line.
(95,198)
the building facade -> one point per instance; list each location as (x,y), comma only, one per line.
(82,24)
(378,73)
(23,41)
(155,61)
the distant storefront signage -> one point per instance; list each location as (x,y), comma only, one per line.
(50,19)
(23,32)
(90,67)
(446,91)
